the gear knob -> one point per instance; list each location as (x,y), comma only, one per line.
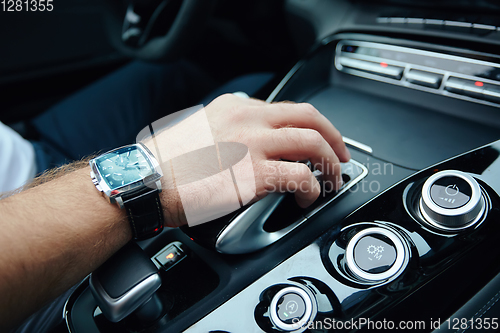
(124,283)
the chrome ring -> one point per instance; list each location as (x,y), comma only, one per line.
(452,218)
(307,313)
(399,263)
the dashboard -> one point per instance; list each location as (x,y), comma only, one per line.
(410,239)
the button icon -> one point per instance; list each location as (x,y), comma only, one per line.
(450,200)
(292,307)
(452,190)
(374,253)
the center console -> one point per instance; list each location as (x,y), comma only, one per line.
(389,260)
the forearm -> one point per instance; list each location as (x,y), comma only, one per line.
(52,236)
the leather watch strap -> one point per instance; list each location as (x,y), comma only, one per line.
(144,212)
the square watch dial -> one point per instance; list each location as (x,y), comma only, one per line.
(123,167)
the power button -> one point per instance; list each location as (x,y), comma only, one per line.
(451,192)
(452,200)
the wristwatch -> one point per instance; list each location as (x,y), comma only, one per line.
(130,177)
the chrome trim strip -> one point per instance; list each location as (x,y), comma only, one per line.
(363,174)
(357,144)
(246,232)
(431,221)
(410,20)
(458,24)
(401,20)
(431,21)
(484,26)
(283,82)
(70,302)
(414,20)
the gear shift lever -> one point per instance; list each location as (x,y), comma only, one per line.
(125,283)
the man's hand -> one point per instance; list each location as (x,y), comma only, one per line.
(56,233)
(274,134)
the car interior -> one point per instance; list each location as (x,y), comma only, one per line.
(408,242)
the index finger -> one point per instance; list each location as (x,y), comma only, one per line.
(304,115)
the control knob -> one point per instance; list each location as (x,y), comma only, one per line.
(451,200)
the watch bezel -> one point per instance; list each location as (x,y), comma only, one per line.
(114,195)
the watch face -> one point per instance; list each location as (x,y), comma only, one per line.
(123,167)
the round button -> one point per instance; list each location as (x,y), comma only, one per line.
(451,192)
(451,200)
(291,308)
(376,254)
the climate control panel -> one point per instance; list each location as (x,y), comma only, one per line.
(434,72)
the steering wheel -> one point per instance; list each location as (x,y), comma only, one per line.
(157,30)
